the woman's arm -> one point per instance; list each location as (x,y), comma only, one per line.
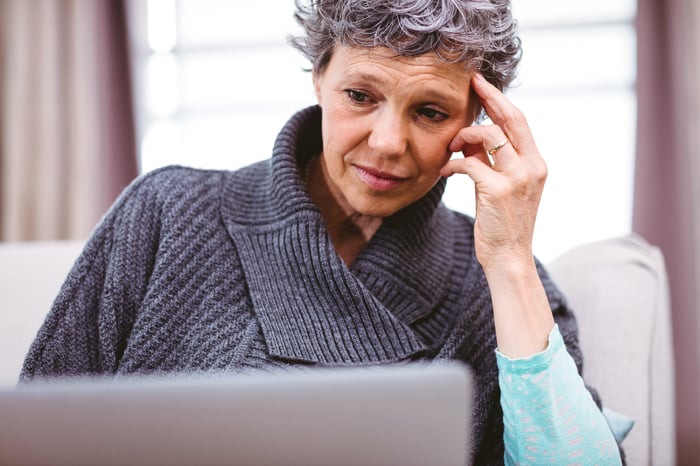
(86,329)
(548,414)
(508,193)
(509,174)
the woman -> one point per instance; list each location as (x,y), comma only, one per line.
(337,250)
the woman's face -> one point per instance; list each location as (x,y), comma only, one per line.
(387,123)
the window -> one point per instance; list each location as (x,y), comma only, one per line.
(215,81)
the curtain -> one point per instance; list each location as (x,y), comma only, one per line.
(667,184)
(67,138)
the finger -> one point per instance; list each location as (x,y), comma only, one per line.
(484,136)
(476,167)
(470,149)
(483,139)
(503,157)
(504,114)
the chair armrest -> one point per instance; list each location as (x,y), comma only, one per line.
(618,290)
(31,274)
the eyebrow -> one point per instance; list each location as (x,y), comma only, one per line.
(430,93)
(362,76)
(437,95)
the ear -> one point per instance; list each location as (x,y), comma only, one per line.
(317,78)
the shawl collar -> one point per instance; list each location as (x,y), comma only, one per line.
(310,305)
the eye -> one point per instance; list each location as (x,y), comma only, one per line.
(358,97)
(432,114)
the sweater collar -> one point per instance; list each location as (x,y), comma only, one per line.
(310,305)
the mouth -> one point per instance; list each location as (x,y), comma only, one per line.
(377,179)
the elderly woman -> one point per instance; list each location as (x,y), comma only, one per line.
(338,251)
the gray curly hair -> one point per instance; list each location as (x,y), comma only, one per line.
(481,34)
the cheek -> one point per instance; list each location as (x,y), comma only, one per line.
(433,153)
(341,132)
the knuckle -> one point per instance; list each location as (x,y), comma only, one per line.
(521,178)
(540,173)
(516,118)
(493,133)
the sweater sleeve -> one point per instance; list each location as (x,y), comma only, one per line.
(548,414)
(86,330)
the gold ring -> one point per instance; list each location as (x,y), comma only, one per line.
(498,146)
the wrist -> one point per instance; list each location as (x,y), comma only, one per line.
(516,267)
(522,313)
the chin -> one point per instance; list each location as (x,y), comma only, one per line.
(374,207)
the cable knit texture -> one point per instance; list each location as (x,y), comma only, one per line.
(196,270)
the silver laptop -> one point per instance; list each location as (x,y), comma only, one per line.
(409,414)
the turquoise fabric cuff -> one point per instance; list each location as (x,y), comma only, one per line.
(538,362)
(620,425)
(548,414)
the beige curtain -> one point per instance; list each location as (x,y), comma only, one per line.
(667,184)
(67,144)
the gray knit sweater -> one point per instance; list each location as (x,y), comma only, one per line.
(209,270)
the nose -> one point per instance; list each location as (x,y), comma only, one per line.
(388,136)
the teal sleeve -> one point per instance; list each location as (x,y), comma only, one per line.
(549,417)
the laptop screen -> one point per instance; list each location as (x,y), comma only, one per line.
(390,415)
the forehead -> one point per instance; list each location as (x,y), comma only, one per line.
(383,66)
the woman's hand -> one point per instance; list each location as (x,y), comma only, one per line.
(507,191)
(508,194)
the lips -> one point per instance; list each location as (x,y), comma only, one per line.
(377,179)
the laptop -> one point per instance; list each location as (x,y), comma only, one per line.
(409,414)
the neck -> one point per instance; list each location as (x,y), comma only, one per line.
(349,230)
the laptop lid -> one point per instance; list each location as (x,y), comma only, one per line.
(412,414)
